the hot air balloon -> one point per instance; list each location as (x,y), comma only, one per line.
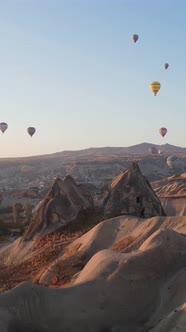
(161,152)
(176,162)
(166,65)
(25,169)
(134,38)
(172,161)
(155,86)
(31,131)
(153,150)
(3,126)
(163,131)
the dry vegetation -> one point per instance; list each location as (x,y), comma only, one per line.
(47,250)
(122,244)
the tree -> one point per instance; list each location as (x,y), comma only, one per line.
(28,212)
(4,229)
(16,209)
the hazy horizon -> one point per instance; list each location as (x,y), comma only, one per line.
(91,147)
(70,69)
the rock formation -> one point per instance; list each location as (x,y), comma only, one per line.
(134,292)
(129,192)
(65,202)
(172,186)
(172,194)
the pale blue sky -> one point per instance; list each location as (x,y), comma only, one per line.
(69,68)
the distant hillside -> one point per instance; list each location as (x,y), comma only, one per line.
(101,153)
(142,148)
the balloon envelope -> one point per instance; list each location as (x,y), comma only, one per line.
(172,161)
(31,131)
(134,38)
(155,86)
(163,131)
(166,65)
(3,126)
(153,150)
(161,152)
(176,162)
(25,169)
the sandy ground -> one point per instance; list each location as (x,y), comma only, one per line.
(172,194)
(133,281)
(174,206)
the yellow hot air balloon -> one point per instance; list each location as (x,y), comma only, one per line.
(155,86)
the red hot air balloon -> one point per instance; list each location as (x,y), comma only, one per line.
(163,131)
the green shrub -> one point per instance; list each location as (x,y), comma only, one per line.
(3,238)
(4,229)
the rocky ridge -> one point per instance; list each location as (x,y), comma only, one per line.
(65,202)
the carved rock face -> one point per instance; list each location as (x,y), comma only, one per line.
(129,192)
(66,202)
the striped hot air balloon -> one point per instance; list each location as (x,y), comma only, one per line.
(155,86)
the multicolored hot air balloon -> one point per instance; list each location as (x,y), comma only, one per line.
(3,126)
(155,86)
(166,66)
(163,131)
(153,150)
(134,38)
(31,131)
